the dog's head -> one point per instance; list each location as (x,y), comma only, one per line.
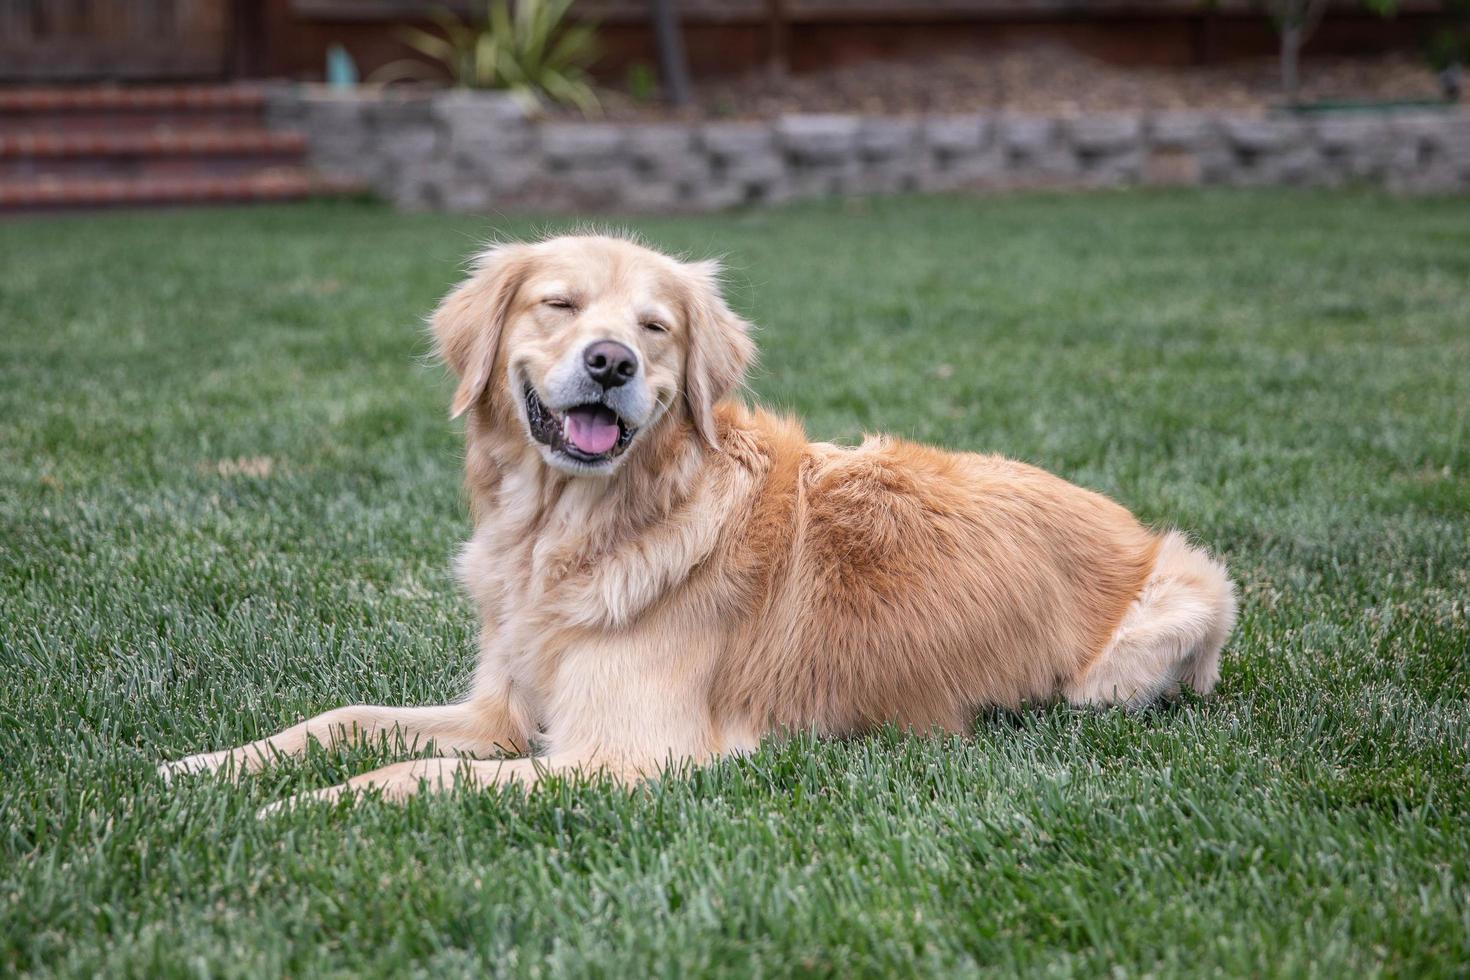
(591,344)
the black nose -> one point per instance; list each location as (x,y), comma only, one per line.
(610,363)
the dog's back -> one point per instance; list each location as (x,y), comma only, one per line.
(912,585)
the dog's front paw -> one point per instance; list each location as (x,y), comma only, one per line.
(203,762)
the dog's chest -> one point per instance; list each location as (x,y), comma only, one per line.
(529,571)
(563,571)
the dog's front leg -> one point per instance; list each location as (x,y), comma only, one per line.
(480,726)
(628,707)
(401,780)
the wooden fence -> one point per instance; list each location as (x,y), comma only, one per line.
(52,40)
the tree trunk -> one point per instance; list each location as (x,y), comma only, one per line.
(672,66)
(1291,53)
(778,59)
(1297,20)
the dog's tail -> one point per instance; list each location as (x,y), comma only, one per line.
(1172,634)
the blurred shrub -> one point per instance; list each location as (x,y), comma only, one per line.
(642,82)
(530,50)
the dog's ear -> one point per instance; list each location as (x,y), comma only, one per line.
(469,322)
(719,348)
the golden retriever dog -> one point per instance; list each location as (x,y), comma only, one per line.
(664,575)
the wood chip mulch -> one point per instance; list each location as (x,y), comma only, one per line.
(1053,81)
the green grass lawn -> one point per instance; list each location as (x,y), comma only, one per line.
(229,495)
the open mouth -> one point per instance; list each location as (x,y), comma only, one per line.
(591,433)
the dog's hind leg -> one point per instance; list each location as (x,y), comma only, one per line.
(1172,633)
(475,727)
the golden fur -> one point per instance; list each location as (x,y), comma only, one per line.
(725,578)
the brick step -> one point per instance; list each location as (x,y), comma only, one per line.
(109,98)
(139,154)
(90,109)
(128,121)
(204,142)
(284,184)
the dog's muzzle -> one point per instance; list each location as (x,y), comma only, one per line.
(587,433)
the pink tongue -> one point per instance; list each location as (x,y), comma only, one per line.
(592,430)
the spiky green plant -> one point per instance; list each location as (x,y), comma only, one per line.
(529,50)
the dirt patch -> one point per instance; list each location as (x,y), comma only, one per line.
(252,466)
(1049,80)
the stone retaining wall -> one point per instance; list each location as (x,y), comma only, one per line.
(474,151)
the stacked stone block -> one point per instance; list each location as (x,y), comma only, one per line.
(479,151)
